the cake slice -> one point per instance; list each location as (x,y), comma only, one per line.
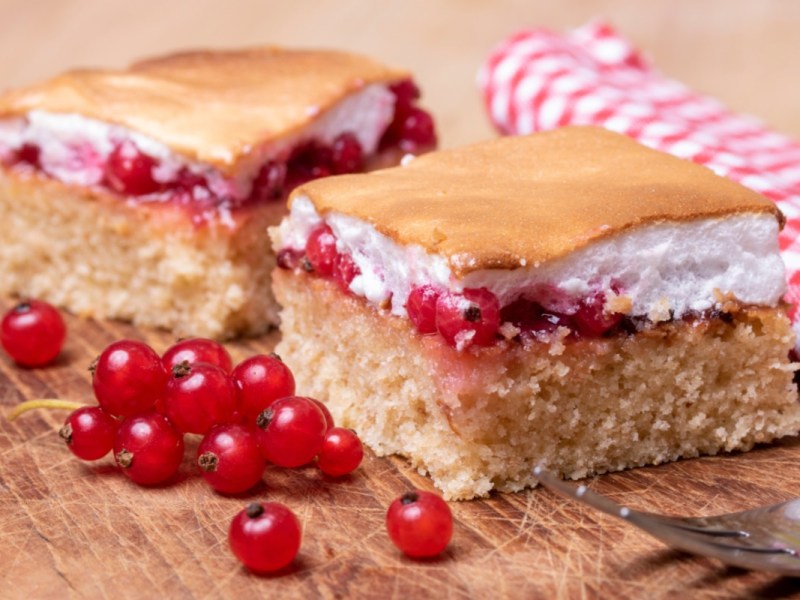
(144,193)
(569,298)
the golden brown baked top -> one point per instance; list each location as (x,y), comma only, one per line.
(536,197)
(212,106)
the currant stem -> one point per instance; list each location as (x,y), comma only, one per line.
(50,403)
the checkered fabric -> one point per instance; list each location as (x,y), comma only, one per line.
(537,80)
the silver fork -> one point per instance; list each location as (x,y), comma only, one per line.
(765,538)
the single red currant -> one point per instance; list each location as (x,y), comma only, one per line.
(592,320)
(321,250)
(420,524)
(290,431)
(265,536)
(468,319)
(259,381)
(416,130)
(344,271)
(547,323)
(308,161)
(346,154)
(327,414)
(229,459)
(128,378)
(268,184)
(130,171)
(521,312)
(421,307)
(33,333)
(195,350)
(89,432)
(341,452)
(289,258)
(148,448)
(200,396)
(28,154)
(406,93)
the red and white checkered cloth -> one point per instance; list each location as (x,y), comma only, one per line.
(538,79)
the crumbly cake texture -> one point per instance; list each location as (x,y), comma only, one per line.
(482,419)
(102,257)
(214,107)
(582,184)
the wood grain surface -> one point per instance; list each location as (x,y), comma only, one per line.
(75,530)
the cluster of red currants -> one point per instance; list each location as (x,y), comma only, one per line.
(246,414)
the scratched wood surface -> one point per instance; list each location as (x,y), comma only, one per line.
(74,529)
(70,529)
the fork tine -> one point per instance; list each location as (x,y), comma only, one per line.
(729,545)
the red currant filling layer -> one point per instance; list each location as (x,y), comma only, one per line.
(130,172)
(474,316)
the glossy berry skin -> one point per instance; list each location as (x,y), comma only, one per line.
(321,250)
(344,271)
(341,452)
(421,307)
(591,319)
(290,431)
(420,524)
(148,448)
(259,381)
(268,184)
(28,154)
(195,350)
(229,459)
(89,432)
(468,319)
(129,171)
(326,413)
(33,333)
(128,378)
(346,154)
(200,396)
(416,130)
(265,536)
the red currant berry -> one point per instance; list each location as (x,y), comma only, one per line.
(259,381)
(346,154)
(522,313)
(289,258)
(416,130)
(195,350)
(200,396)
(341,452)
(148,448)
(326,413)
(344,271)
(128,378)
(265,536)
(591,319)
(130,171)
(290,431)
(321,250)
(33,333)
(229,459)
(420,524)
(406,93)
(308,161)
(547,323)
(468,319)
(268,184)
(28,154)
(89,432)
(421,307)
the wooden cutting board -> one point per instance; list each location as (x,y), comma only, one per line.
(73,529)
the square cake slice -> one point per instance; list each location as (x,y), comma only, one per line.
(569,298)
(144,193)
